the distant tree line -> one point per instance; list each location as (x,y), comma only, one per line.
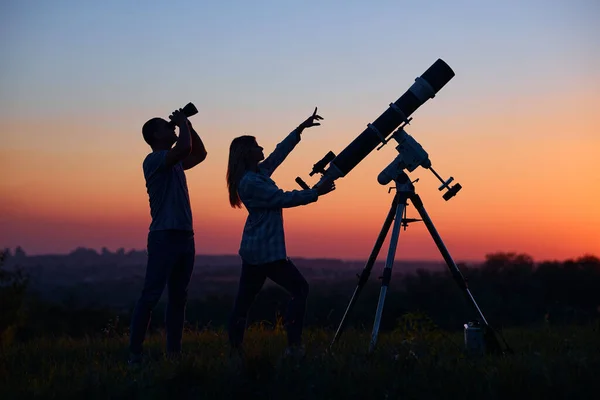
(511,289)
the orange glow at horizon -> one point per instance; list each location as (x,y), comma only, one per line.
(530,184)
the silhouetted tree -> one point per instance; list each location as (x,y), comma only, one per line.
(13,286)
(20,253)
(511,289)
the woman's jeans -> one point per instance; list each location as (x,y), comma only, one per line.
(170,263)
(285,274)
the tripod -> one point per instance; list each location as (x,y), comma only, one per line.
(405,191)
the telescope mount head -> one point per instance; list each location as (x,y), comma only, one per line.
(412,155)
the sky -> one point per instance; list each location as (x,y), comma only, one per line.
(517,126)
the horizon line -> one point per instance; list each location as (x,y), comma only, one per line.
(298,257)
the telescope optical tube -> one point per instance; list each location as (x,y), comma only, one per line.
(424,88)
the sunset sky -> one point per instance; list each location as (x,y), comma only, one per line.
(518,126)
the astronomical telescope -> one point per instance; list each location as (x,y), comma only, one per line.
(411,155)
(396,116)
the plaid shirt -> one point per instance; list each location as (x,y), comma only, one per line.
(263,239)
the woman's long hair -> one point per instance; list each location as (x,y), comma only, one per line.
(238,164)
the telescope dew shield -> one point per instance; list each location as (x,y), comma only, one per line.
(424,88)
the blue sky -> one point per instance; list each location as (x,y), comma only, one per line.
(61,56)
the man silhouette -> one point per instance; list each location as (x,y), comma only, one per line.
(171,247)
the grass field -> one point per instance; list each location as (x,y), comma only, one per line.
(549,363)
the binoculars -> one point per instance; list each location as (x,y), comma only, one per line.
(189,110)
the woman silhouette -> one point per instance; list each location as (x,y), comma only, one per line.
(262,248)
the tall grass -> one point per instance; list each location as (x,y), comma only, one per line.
(412,362)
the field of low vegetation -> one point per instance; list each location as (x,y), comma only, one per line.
(549,313)
(419,362)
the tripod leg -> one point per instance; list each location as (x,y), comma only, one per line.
(456,274)
(364,276)
(387,271)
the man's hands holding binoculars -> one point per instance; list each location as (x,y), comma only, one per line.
(179,117)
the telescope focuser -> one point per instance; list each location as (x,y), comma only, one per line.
(318,167)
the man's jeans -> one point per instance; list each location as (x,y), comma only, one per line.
(285,274)
(170,263)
